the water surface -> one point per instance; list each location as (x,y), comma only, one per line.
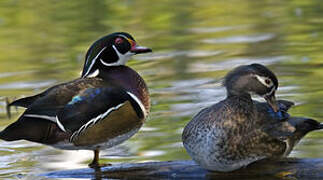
(43,43)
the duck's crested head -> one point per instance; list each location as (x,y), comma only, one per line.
(253,79)
(112,50)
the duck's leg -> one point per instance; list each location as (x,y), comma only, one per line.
(95,162)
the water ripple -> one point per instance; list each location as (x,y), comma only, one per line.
(232,63)
(217,29)
(10,74)
(241,39)
(27,85)
(172,54)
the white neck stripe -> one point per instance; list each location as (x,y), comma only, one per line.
(93,61)
(94,74)
(106,64)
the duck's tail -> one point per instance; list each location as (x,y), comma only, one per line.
(311,124)
(8,134)
(305,125)
(31,129)
(314,124)
(2,136)
(320,126)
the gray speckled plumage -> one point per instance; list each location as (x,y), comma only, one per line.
(238,131)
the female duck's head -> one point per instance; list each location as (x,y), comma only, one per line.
(253,79)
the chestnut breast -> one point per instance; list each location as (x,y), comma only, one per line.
(130,80)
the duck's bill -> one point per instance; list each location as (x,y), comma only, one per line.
(271,100)
(140,49)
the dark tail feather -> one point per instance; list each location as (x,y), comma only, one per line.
(10,133)
(305,124)
(313,124)
(31,129)
(23,102)
(3,136)
(320,126)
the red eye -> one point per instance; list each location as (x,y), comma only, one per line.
(267,81)
(118,40)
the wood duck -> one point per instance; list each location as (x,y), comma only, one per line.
(104,107)
(238,131)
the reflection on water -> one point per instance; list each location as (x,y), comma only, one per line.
(44,42)
(241,39)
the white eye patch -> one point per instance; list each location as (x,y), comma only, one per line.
(264,80)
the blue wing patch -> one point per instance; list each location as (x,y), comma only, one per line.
(75,100)
(281,114)
(87,95)
(90,104)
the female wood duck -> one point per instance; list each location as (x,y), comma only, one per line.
(238,131)
(103,108)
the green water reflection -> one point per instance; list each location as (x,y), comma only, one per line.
(195,43)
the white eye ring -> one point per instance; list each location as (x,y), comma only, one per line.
(264,80)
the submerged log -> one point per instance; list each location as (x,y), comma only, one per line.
(288,168)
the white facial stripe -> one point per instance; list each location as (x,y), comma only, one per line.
(142,107)
(94,121)
(93,61)
(122,58)
(263,79)
(123,36)
(141,48)
(116,50)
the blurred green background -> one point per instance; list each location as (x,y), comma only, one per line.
(195,43)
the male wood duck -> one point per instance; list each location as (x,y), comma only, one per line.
(238,131)
(103,108)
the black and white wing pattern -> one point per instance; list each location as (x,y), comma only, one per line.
(92,105)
